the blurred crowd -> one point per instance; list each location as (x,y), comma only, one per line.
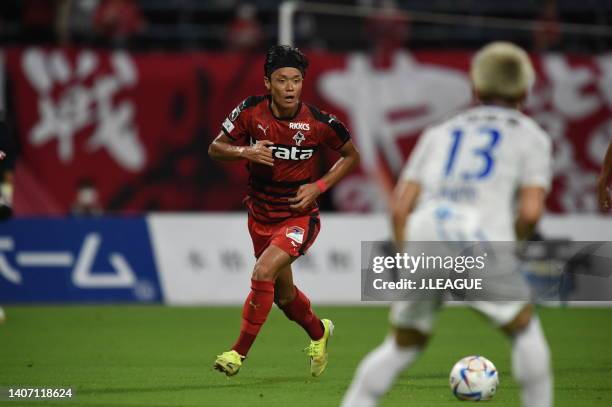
(129,23)
(66,22)
(253,25)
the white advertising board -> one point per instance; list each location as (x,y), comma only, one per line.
(208,259)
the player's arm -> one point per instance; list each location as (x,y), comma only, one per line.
(307,194)
(530,210)
(403,201)
(534,183)
(603,194)
(347,162)
(408,187)
(223,149)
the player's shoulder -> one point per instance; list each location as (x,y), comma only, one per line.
(509,119)
(442,125)
(329,120)
(249,103)
(532,127)
(450,119)
(238,117)
(253,101)
(320,115)
(526,131)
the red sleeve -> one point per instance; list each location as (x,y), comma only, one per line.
(235,125)
(335,134)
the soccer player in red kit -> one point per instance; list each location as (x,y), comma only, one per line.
(279,136)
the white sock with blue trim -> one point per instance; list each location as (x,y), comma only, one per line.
(531,365)
(377,373)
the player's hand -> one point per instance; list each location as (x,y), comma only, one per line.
(603,196)
(305,198)
(260,153)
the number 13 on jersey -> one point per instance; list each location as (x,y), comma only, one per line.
(483,154)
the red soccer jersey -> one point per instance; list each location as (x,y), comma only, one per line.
(296,143)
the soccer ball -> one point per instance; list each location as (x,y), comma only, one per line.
(474,378)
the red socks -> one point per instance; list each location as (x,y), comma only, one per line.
(257,307)
(254,313)
(299,310)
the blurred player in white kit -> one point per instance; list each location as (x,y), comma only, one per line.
(482,175)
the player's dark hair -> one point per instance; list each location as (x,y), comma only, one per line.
(281,56)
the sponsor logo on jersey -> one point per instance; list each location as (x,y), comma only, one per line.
(299,137)
(292,153)
(299,126)
(295,233)
(228,126)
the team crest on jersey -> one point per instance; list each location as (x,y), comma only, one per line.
(299,137)
(295,233)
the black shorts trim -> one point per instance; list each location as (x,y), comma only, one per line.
(312,223)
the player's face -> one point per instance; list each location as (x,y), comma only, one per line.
(285,87)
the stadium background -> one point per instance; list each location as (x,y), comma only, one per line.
(119,100)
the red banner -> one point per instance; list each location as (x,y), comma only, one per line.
(138,126)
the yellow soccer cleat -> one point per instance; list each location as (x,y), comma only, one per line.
(317,350)
(229,362)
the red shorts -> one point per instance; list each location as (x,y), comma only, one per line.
(294,236)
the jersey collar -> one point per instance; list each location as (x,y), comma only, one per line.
(288,118)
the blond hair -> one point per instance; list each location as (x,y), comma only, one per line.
(502,70)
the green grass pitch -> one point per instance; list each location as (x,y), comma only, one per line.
(141,356)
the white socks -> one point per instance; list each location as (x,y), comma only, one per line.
(377,372)
(531,365)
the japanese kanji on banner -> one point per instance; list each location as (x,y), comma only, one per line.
(137,126)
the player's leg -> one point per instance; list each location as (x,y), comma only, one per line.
(284,289)
(256,307)
(530,353)
(259,301)
(531,359)
(412,322)
(295,237)
(2,315)
(296,305)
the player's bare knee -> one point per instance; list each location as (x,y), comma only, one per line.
(519,322)
(409,337)
(263,272)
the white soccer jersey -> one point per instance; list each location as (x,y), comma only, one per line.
(475,161)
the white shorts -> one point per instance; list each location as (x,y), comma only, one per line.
(452,223)
(420,315)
